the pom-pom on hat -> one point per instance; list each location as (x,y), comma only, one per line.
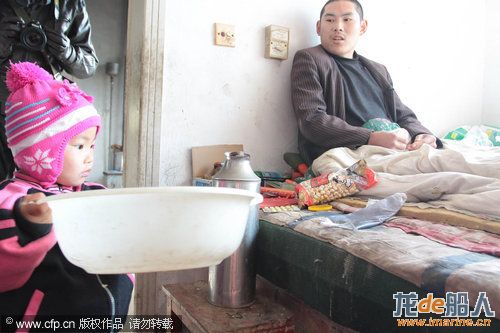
(41,116)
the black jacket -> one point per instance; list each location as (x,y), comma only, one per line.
(319,104)
(73,19)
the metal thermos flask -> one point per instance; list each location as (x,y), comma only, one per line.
(232,282)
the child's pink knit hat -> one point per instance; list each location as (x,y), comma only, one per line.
(42,115)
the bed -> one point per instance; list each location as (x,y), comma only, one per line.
(352,276)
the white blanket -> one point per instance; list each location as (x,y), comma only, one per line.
(459,178)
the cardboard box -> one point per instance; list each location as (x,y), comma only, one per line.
(204,157)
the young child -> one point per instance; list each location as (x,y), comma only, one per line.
(51,128)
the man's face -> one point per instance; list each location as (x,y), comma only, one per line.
(340,28)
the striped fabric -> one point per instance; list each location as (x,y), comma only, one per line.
(319,104)
(42,115)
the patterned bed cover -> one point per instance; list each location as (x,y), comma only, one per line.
(430,266)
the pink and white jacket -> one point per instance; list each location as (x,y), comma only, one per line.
(35,277)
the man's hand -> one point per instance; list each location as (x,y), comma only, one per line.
(389,140)
(421,139)
(59,45)
(10,27)
(33,211)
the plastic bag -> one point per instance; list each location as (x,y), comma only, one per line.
(458,133)
(476,135)
(331,186)
(380,124)
(493,134)
(370,216)
(385,125)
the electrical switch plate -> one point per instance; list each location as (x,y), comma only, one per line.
(225,35)
(277,40)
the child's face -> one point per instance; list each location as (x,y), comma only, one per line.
(78,158)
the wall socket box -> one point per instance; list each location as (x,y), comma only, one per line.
(225,35)
(277,40)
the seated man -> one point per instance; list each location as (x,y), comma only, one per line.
(335,91)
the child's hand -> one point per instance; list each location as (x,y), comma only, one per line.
(33,211)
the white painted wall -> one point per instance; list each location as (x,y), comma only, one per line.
(435,54)
(434,51)
(218,95)
(491,105)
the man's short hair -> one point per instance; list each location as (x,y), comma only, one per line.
(359,8)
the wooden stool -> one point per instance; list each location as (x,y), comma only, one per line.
(189,303)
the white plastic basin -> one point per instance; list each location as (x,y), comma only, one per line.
(136,230)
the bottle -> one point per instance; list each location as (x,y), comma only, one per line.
(232,282)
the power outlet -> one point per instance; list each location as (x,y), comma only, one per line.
(225,35)
(277,40)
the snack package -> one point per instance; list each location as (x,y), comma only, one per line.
(328,187)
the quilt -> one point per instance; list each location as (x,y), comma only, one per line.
(459,178)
